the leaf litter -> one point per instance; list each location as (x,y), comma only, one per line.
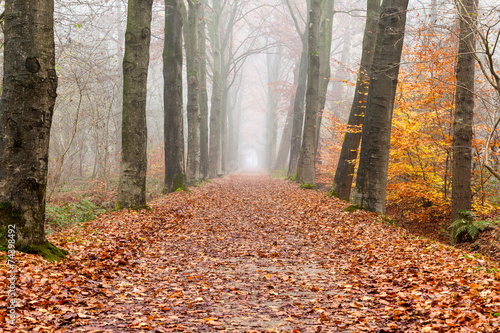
(248,253)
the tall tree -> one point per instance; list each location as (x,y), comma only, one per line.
(175,176)
(306,164)
(461,193)
(344,174)
(324,49)
(215,163)
(298,104)
(273,62)
(203,97)
(286,136)
(133,164)
(193,81)
(26,110)
(371,180)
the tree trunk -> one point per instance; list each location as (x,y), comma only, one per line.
(175,177)
(217,91)
(203,98)
(193,110)
(224,124)
(286,136)
(298,104)
(305,165)
(461,194)
(324,45)
(298,113)
(133,164)
(273,72)
(342,182)
(26,109)
(371,181)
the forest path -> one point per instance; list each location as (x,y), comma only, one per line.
(248,253)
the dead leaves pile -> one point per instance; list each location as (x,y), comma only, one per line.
(251,254)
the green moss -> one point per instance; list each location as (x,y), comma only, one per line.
(308,186)
(353,208)
(179,183)
(8,212)
(48,251)
(8,215)
(332,192)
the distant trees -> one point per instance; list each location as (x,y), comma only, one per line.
(26,109)
(133,164)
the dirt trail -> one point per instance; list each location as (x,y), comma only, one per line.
(249,253)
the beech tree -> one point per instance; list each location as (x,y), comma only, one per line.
(324,49)
(298,104)
(461,193)
(306,164)
(133,164)
(175,176)
(215,150)
(342,182)
(371,180)
(26,109)
(202,40)
(193,106)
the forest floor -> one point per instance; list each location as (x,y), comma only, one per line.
(248,253)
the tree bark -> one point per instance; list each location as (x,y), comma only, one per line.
(175,176)
(461,193)
(298,104)
(286,136)
(203,98)
(273,71)
(133,164)
(306,164)
(193,109)
(371,181)
(324,45)
(26,110)
(217,91)
(344,174)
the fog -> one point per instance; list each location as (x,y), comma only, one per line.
(261,50)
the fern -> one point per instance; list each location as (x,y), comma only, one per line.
(466,226)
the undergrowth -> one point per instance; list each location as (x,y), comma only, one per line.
(63,217)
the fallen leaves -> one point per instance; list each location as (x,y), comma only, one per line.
(252,254)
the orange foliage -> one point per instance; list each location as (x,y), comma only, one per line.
(421,142)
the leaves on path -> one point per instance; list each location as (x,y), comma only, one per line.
(252,254)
